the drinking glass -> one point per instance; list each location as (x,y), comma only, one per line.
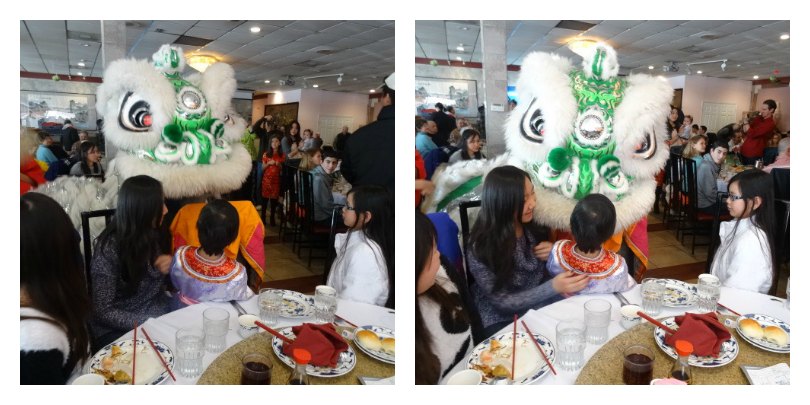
(708,293)
(638,365)
(571,344)
(597,319)
(215,324)
(269,305)
(190,347)
(652,296)
(256,369)
(325,304)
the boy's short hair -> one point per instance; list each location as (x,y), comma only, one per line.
(329,153)
(592,222)
(217,226)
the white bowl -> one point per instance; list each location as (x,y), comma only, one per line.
(630,316)
(466,377)
(247,325)
(89,379)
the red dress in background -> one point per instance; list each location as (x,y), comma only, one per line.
(271,179)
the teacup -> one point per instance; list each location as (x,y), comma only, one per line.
(247,325)
(89,379)
(466,377)
(630,316)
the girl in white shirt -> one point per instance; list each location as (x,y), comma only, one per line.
(363,270)
(746,257)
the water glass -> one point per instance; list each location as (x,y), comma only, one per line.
(638,365)
(708,293)
(215,324)
(652,296)
(325,304)
(256,369)
(189,350)
(597,319)
(570,344)
(269,306)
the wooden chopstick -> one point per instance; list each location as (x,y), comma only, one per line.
(273,332)
(514,345)
(345,320)
(166,366)
(729,309)
(543,352)
(134,350)
(656,323)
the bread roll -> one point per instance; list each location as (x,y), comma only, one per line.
(751,328)
(388,345)
(776,335)
(369,340)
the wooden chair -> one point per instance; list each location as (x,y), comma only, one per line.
(311,235)
(335,228)
(465,230)
(694,221)
(86,237)
(289,197)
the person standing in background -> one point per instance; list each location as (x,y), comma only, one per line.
(340,139)
(757,136)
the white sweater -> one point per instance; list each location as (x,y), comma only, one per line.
(745,262)
(360,273)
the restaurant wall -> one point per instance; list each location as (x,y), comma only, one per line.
(700,89)
(782,97)
(62,86)
(453,72)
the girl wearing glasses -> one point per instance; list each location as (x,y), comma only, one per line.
(746,256)
(363,270)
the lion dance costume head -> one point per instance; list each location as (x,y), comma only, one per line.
(179,130)
(577,132)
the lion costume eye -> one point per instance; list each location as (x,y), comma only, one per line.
(191,103)
(134,114)
(533,123)
(646,149)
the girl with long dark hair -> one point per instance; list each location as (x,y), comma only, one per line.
(443,327)
(128,268)
(746,258)
(54,304)
(364,267)
(469,147)
(507,253)
(89,163)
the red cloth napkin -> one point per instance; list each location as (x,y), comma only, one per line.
(321,340)
(704,331)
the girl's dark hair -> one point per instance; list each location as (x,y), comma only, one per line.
(51,269)
(678,122)
(492,238)
(135,228)
(278,152)
(462,144)
(428,369)
(380,229)
(217,226)
(440,107)
(84,150)
(756,183)
(592,222)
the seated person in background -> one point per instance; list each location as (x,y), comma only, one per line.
(424,144)
(592,224)
(707,174)
(443,327)
(204,273)
(89,160)
(55,307)
(363,269)
(309,160)
(31,173)
(322,181)
(44,153)
(695,148)
(783,158)
(469,147)
(747,257)
(507,253)
(75,150)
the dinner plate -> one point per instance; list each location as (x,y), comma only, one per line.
(678,294)
(295,305)
(538,366)
(765,320)
(383,333)
(149,369)
(728,350)
(346,362)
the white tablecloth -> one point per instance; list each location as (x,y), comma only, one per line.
(544,321)
(164,328)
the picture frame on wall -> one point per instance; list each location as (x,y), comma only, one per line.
(283,114)
(459,93)
(49,110)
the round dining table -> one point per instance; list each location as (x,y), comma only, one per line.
(163,329)
(544,321)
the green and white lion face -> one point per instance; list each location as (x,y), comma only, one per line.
(583,131)
(179,130)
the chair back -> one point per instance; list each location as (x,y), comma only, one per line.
(86,242)
(306,199)
(781,183)
(336,227)
(688,184)
(465,228)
